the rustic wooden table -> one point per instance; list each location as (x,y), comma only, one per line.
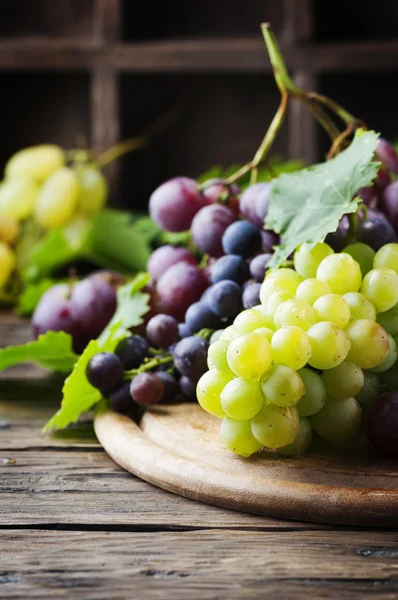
(74,525)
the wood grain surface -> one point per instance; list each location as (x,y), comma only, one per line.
(73,524)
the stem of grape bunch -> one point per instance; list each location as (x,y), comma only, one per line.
(324,109)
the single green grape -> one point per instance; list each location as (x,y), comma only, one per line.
(370,389)
(93,190)
(341,272)
(360,306)
(215,336)
(7,263)
(18,198)
(363,254)
(37,162)
(380,286)
(250,319)
(10,229)
(387,257)
(229,334)
(339,420)
(278,280)
(311,289)
(275,427)
(208,391)
(242,398)
(275,300)
(217,357)
(249,355)
(344,381)
(334,308)
(329,345)
(237,437)
(301,441)
(369,343)
(308,257)
(295,312)
(315,394)
(389,320)
(57,199)
(291,346)
(282,386)
(389,359)
(268,333)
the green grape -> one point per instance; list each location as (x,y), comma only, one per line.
(370,389)
(295,312)
(93,190)
(339,420)
(361,307)
(57,199)
(237,437)
(334,308)
(380,286)
(7,263)
(76,229)
(389,320)
(249,355)
(387,257)
(274,426)
(344,381)
(229,334)
(242,398)
(363,254)
(275,300)
(278,280)
(217,357)
(282,386)
(301,441)
(291,346)
(369,343)
(249,320)
(37,162)
(389,379)
(389,358)
(341,272)
(208,391)
(266,319)
(215,336)
(311,289)
(18,198)
(329,345)
(9,229)
(268,333)
(315,394)
(308,257)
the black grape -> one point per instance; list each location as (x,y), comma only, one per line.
(225,299)
(251,295)
(190,357)
(242,238)
(231,267)
(162,331)
(200,316)
(381,423)
(258,266)
(120,398)
(105,371)
(132,351)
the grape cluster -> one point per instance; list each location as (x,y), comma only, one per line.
(39,185)
(319,348)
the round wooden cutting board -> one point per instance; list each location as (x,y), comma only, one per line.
(178,448)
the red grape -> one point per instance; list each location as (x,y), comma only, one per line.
(167,256)
(179,287)
(146,388)
(381,423)
(389,202)
(93,303)
(162,331)
(174,204)
(219,191)
(386,154)
(208,228)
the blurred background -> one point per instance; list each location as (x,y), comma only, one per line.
(93,72)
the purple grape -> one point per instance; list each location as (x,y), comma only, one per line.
(190,357)
(231,267)
(269,239)
(200,316)
(179,287)
(132,351)
(184,330)
(120,398)
(258,266)
(250,200)
(251,295)
(389,203)
(386,154)
(105,371)
(337,240)
(219,191)
(368,196)
(93,303)
(174,204)
(225,299)
(376,232)
(383,179)
(188,389)
(381,423)
(170,386)
(162,331)
(208,228)
(54,313)
(262,202)
(242,238)
(167,256)
(147,389)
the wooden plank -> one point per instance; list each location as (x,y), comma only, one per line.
(303,132)
(107,18)
(198,565)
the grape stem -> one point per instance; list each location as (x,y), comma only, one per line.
(151,364)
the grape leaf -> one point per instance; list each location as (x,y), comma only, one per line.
(78,394)
(307,205)
(52,349)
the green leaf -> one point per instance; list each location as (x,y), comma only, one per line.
(78,394)
(52,349)
(31,294)
(307,205)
